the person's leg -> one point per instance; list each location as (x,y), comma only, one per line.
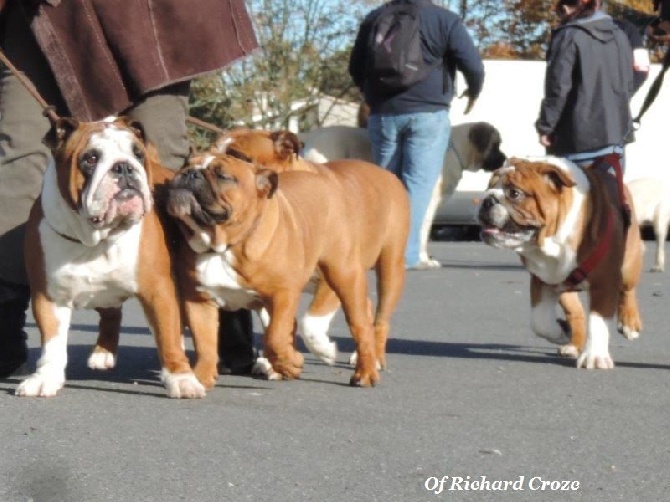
(424,147)
(23,160)
(163,115)
(385,143)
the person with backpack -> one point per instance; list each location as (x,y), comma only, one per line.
(404,59)
(585,113)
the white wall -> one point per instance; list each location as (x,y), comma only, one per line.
(511,99)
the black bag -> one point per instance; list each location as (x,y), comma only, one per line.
(395,56)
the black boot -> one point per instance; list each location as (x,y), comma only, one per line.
(236,344)
(13,347)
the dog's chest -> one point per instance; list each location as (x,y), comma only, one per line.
(88,277)
(217,278)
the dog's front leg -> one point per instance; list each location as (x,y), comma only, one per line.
(278,341)
(53,322)
(176,373)
(576,324)
(595,354)
(543,302)
(202,318)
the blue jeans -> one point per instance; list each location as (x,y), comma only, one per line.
(412,146)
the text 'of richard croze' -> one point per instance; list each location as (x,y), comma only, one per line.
(483,484)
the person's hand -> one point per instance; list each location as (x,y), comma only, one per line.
(471,101)
(545,140)
(660,33)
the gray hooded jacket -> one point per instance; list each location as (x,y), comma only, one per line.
(588,85)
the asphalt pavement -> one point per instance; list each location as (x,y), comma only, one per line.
(472,406)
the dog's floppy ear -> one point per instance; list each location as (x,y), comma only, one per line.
(557,177)
(286,144)
(135,127)
(267,182)
(60,131)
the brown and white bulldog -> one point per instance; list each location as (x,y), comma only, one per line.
(567,225)
(257,238)
(93,240)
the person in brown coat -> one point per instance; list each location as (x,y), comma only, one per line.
(91,59)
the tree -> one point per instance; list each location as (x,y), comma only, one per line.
(304,47)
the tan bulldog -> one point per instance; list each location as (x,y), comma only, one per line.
(93,240)
(256,238)
(567,225)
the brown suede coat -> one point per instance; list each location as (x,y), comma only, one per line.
(105,54)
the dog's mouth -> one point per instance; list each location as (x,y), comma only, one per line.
(127,205)
(185,205)
(510,235)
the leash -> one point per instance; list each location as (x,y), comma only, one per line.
(47,110)
(582,271)
(453,148)
(653,90)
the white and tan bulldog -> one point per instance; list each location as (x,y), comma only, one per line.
(472,146)
(93,240)
(567,226)
(256,239)
(651,198)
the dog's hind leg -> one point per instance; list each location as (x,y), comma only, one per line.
(316,321)
(628,312)
(427,224)
(103,355)
(350,284)
(390,282)
(661,230)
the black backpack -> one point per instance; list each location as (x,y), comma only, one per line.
(395,55)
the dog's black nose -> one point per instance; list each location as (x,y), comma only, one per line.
(122,168)
(192,174)
(488,203)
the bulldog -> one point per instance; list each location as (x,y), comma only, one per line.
(256,238)
(568,227)
(651,198)
(473,146)
(93,240)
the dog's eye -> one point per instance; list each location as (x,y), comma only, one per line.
(89,160)
(138,152)
(225,177)
(513,193)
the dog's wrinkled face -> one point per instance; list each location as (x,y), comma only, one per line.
(101,170)
(217,198)
(526,202)
(486,140)
(277,149)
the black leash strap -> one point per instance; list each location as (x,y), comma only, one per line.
(653,89)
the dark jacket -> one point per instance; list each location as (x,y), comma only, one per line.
(588,85)
(444,37)
(106,54)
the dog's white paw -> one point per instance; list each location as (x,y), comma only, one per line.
(628,332)
(101,360)
(568,350)
(41,385)
(262,368)
(353,359)
(322,348)
(594,360)
(182,385)
(430,263)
